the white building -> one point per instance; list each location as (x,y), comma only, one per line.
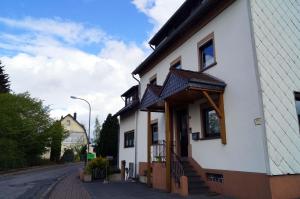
(218,99)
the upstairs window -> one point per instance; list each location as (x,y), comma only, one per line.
(154,128)
(297,102)
(129,139)
(210,123)
(176,63)
(206,49)
(153,80)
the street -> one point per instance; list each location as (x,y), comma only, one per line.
(33,183)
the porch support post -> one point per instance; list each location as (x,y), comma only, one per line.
(212,103)
(149,148)
(222,119)
(168,145)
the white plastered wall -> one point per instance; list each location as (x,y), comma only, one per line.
(277,40)
(127,123)
(246,150)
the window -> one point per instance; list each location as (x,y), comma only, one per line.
(210,123)
(206,49)
(297,102)
(129,139)
(68,123)
(176,63)
(129,100)
(153,80)
(154,129)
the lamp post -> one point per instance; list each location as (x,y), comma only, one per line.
(88,144)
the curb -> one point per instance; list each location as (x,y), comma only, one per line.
(47,193)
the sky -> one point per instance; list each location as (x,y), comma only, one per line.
(86,48)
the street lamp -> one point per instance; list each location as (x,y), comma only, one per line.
(88,144)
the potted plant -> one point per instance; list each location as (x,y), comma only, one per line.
(87,173)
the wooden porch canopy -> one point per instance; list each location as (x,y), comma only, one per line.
(151,101)
(184,87)
(181,87)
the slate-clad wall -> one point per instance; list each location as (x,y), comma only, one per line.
(276,26)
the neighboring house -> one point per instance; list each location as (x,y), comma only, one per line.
(77,133)
(220,99)
(127,137)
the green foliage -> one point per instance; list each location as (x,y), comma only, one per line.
(24,124)
(57,135)
(97,129)
(10,156)
(68,155)
(107,141)
(4,80)
(99,162)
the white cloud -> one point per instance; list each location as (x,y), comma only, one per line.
(46,59)
(69,31)
(53,70)
(158,11)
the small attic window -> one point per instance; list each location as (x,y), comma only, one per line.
(68,123)
(176,63)
(206,50)
(153,80)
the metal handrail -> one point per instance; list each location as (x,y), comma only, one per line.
(159,151)
(176,167)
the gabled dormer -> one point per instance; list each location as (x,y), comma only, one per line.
(131,99)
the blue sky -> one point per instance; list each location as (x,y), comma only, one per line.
(87,48)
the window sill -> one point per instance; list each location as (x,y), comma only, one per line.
(128,147)
(210,138)
(207,67)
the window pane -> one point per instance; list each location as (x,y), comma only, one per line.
(297,102)
(154,134)
(213,123)
(207,54)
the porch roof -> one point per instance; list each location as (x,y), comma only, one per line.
(180,86)
(150,99)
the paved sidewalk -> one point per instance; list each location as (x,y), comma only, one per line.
(132,190)
(69,187)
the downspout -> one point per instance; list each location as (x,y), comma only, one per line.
(136,134)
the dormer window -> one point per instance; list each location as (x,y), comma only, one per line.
(129,100)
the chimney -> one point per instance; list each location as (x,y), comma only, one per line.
(75,116)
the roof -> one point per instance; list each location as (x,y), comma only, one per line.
(179,80)
(132,106)
(192,14)
(175,20)
(151,96)
(130,91)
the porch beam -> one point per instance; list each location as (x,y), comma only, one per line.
(149,148)
(168,146)
(212,103)
(222,119)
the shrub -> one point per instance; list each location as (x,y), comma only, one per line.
(97,163)
(11,156)
(68,155)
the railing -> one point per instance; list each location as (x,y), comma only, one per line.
(159,151)
(176,168)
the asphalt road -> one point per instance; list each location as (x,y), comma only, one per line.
(33,183)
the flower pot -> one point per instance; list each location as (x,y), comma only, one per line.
(81,175)
(87,178)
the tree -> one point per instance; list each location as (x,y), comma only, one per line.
(57,135)
(24,124)
(97,129)
(107,142)
(4,80)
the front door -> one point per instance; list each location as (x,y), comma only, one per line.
(182,129)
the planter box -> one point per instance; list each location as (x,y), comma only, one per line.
(143,179)
(115,177)
(81,175)
(87,178)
